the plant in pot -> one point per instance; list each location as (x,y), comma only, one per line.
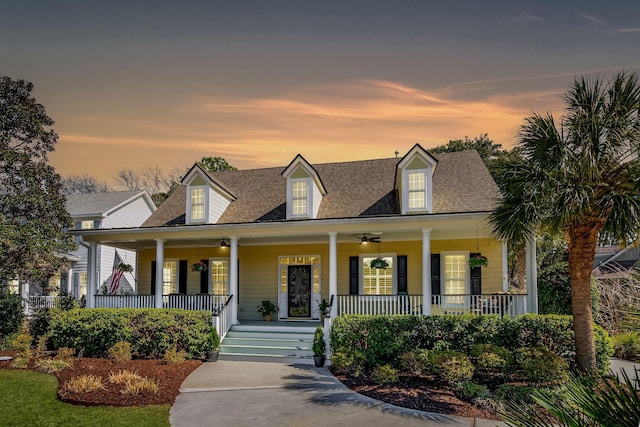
(213,345)
(323,308)
(267,309)
(318,348)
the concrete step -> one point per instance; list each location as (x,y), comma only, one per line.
(266,351)
(292,336)
(253,341)
(264,358)
(275,327)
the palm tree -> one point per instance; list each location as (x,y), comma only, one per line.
(580,179)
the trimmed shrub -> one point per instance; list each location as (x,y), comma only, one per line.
(173,355)
(120,351)
(454,367)
(346,364)
(491,362)
(384,374)
(414,362)
(627,345)
(539,365)
(151,332)
(11,314)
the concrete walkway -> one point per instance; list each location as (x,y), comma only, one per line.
(618,365)
(231,393)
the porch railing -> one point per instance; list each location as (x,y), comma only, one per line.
(222,318)
(206,302)
(125,301)
(40,301)
(501,304)
(379,304)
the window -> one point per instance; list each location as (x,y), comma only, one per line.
(53,285)
(197,204)
(170,277)
(455,277)
(86,225)
(82,286)
(417,193)
(377,281)
(14,286)
(299,190)
(219,276)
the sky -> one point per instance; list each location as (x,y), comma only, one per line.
(138,84)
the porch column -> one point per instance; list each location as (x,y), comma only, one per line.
(159,271)
(233,278)
(505,267)
(426,271)
(91,275)
(333,272)
(532,276)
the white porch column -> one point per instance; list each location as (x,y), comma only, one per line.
(505,267)
(333,272)
(532,276)
(159,271)
(91,275)
(233,278)
(426,271)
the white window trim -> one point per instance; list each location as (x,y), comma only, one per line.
(205,202)
(177,282)
(310,190)
(394,271)
(443,266)
(210,280)
(427,190)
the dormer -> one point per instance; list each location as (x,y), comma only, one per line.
(206,200)
(414,178)
(304,189)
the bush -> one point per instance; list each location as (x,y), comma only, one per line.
(11,314)
(492,363)
(151,332)
(346,364)
(83,384)
(318,347)
(65,353)
(384,374)
(50,366)
(173,355)
(454,367)
(414,362)
(627,345)
(539,365)
(519,393)
(468,390)
(39,323)
(120,351)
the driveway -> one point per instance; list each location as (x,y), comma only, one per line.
(234,393)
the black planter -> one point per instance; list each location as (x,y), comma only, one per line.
(212,356)
(319,361)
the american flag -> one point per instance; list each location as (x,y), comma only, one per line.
(116,274)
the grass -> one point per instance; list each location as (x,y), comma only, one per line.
(29,398)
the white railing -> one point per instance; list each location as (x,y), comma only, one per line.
(222,318)
(379,304)
(206,302)
(501,304)
(40,301)
(125,301)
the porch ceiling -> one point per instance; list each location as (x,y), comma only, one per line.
(405,228)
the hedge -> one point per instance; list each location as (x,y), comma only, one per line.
(151,332)
(381,339)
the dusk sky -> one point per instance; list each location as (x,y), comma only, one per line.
(132,84)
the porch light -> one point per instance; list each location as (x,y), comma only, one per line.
(223,244)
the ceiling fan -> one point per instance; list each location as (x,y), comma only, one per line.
(368,238)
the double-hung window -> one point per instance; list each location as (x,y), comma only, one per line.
(197,204)
(170,277)
(377,281)
(219,276)
(82,286)
(455,269)
(417,190)
(299,198)
(87,225)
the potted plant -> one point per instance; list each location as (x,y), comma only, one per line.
(199,266)
(379,263)
(213,345)
(125,268)
(267,309)
(478,261)
(318,348)
(323,308)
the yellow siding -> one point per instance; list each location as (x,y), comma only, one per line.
(259,273)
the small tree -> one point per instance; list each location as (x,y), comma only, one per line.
(215,164)
(11,315)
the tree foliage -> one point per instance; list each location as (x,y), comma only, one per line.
(215,164)
(153,180)
(81,184)
(33,218)
(577,178)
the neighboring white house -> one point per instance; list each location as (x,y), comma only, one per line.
(118,209)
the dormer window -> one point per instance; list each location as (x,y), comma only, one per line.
(417,190)
(197,204)
(299,197)
(414,181)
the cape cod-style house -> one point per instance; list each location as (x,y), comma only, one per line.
(303,233)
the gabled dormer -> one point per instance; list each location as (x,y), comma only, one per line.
(206,200)
(304,189)
(414,178)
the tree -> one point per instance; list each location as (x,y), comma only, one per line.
(33,218)
(158,184)
(216,164)
(492,154)
(579,180)
(80,184)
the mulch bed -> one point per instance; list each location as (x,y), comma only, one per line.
(170,377)
(417,392)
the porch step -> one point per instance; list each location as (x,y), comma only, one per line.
(287,344)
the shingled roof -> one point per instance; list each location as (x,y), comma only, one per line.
(96,204)
(461,183)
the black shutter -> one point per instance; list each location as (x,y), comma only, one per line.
(76,285)
(435,274)
(153,277)
(476,278)
(182,277)
(96,224)
(402,274)
(78,225)
(237,297)
(204,278)
(353,275)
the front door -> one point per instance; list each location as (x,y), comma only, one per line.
(299,286)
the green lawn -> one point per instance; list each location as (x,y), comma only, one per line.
(29,399)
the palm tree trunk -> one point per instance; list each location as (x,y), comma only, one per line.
(582,247)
